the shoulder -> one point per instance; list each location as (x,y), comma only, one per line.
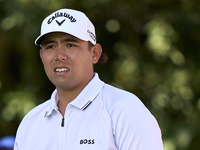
(117,93)
(37,110)
(115,97)
(121,103)
(133,124)
(32,116)
(126,109)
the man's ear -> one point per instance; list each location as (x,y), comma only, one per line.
(97,50)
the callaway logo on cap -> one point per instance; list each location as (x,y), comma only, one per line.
(68,21)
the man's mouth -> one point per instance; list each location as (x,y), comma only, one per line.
(61,69)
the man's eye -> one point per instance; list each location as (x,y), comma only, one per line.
(70,45)
(50,47)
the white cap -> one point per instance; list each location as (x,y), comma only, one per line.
(68,21)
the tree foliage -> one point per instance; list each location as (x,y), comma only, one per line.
(153,49)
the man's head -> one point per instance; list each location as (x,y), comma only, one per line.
(72,22)
(68,49)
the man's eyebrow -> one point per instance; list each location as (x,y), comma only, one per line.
(48,42)
(70,40)
(64,40)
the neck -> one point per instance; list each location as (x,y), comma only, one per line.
(65,97)
(68,95)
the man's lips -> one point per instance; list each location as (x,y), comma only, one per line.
(61,69)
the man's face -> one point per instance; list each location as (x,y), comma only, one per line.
(67,61)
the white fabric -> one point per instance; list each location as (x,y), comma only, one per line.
(114,120)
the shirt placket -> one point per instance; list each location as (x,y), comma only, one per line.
(63,131)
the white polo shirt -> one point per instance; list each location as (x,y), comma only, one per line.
(101,117)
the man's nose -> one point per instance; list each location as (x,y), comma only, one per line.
(61,56)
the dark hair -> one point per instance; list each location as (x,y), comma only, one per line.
(103,58)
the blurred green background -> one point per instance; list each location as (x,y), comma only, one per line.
(153,48)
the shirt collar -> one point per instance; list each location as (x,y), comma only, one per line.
(83,100)
(89,93)
(53,103)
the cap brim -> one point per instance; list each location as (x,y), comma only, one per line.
(40,38)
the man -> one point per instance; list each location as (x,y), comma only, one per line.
(83,112)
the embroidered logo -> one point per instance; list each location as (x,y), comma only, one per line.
(87,141)
(60,23)
(61,14)
(92,35)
